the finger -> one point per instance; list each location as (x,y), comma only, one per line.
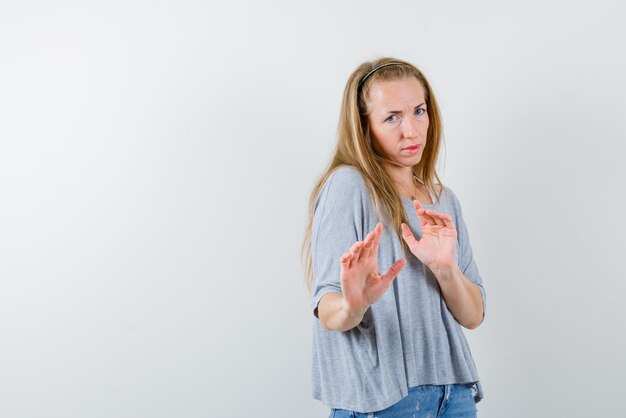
(356,251)
(394,270)
(346,258)
(370,236)
(368,245)
(407,235)
(424,220)
(378,232)
(447,220)
(365,248)
(437,217)
(443,217)
(421,213)
(430,220)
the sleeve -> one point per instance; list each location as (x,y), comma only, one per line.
(338,222)
(467,264)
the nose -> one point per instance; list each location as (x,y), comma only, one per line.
(409,127)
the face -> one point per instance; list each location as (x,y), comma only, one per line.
(398,120)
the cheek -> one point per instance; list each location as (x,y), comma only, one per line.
(377,145)
(424,128)
(382,145)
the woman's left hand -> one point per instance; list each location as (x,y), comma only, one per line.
(437,246)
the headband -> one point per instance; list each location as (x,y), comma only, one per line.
(376,69)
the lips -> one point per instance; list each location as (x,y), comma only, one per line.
(412,147)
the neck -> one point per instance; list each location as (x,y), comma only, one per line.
(401,176)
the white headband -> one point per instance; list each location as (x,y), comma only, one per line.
(377,68)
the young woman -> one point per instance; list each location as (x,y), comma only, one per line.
(388,260)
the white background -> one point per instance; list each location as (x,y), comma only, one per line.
(156,159)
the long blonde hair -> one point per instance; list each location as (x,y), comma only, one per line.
(354,149)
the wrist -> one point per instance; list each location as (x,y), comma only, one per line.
(352,313)
(444,269)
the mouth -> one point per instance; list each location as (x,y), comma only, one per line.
(412,149)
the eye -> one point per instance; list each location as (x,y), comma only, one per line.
(420,111)
(389,119)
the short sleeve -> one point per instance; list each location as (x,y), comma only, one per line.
(467,264)
(338,222)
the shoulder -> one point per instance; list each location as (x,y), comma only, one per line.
(346,176)
(344,188)
(345,180)
(447,192)
(454,205)
(450,200)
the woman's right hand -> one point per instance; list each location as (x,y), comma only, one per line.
(361,283)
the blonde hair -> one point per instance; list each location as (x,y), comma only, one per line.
(353,148)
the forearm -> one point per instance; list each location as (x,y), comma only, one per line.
(335,315)
(463,298)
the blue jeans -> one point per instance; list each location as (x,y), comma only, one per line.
(429,401)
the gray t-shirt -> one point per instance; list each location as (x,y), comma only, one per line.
(408,337)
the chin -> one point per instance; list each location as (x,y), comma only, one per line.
(414,160)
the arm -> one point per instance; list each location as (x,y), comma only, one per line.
(335,315)
(463,298)
(361,285)
(436,250)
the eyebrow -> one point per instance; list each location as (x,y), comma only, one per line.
(399,111)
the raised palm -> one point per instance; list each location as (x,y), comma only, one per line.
(439,237)
(361,282)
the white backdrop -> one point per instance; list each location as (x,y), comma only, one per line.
(156,159)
